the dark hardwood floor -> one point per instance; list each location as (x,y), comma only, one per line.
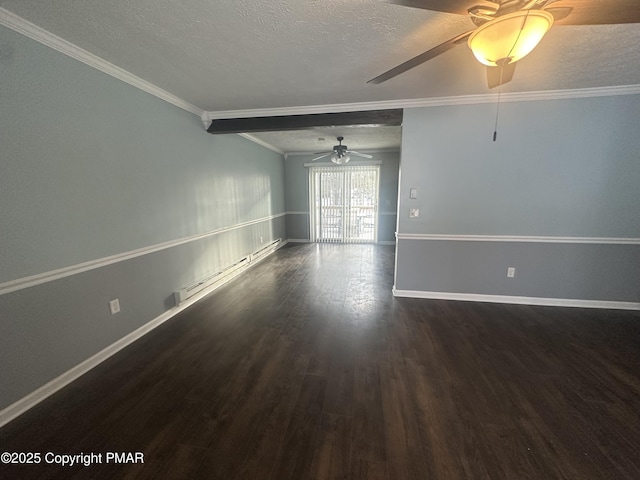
(306,367)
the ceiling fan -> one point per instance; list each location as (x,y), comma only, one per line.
(507,30)
(340,153)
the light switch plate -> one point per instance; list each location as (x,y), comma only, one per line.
(413,193)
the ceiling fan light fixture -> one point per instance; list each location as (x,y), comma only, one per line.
(509,37)
(340,159)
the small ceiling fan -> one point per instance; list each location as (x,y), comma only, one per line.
(507,30)
(340,153)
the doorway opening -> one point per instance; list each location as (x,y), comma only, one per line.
(344,203)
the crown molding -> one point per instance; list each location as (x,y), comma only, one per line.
(429,102)
(34,32)
(40,35)
(261,142)
(28,29)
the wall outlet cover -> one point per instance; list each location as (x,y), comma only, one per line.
(114,306)
(414,212)
(511,272)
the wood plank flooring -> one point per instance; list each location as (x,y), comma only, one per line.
(306,367)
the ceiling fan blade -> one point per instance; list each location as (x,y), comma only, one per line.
(559,13)
(322,156)
(420,59)
(319,153)
(448,6)
(498,75)
(596,12)
(358,154)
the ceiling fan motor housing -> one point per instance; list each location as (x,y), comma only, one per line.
(341,150)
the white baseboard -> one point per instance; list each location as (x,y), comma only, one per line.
(550,302)
(18,408)
(31,400)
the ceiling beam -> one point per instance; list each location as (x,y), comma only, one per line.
(302,122)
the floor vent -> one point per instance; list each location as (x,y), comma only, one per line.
(218,278)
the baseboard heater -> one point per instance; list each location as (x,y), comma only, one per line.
(266,250)
(220,277)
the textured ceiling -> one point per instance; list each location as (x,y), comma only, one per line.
(323,139)
(247,54)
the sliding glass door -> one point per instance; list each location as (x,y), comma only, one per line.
(344,203)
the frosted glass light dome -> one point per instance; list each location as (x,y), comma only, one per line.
(510,37)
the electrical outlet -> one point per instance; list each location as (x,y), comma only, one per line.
(413,193)
(511,272)
(114,306)
(414,212)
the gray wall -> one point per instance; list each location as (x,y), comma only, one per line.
(91,167)
(297,195)
(562,168)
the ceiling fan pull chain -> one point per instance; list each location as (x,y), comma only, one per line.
(495,125)
(503,62)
